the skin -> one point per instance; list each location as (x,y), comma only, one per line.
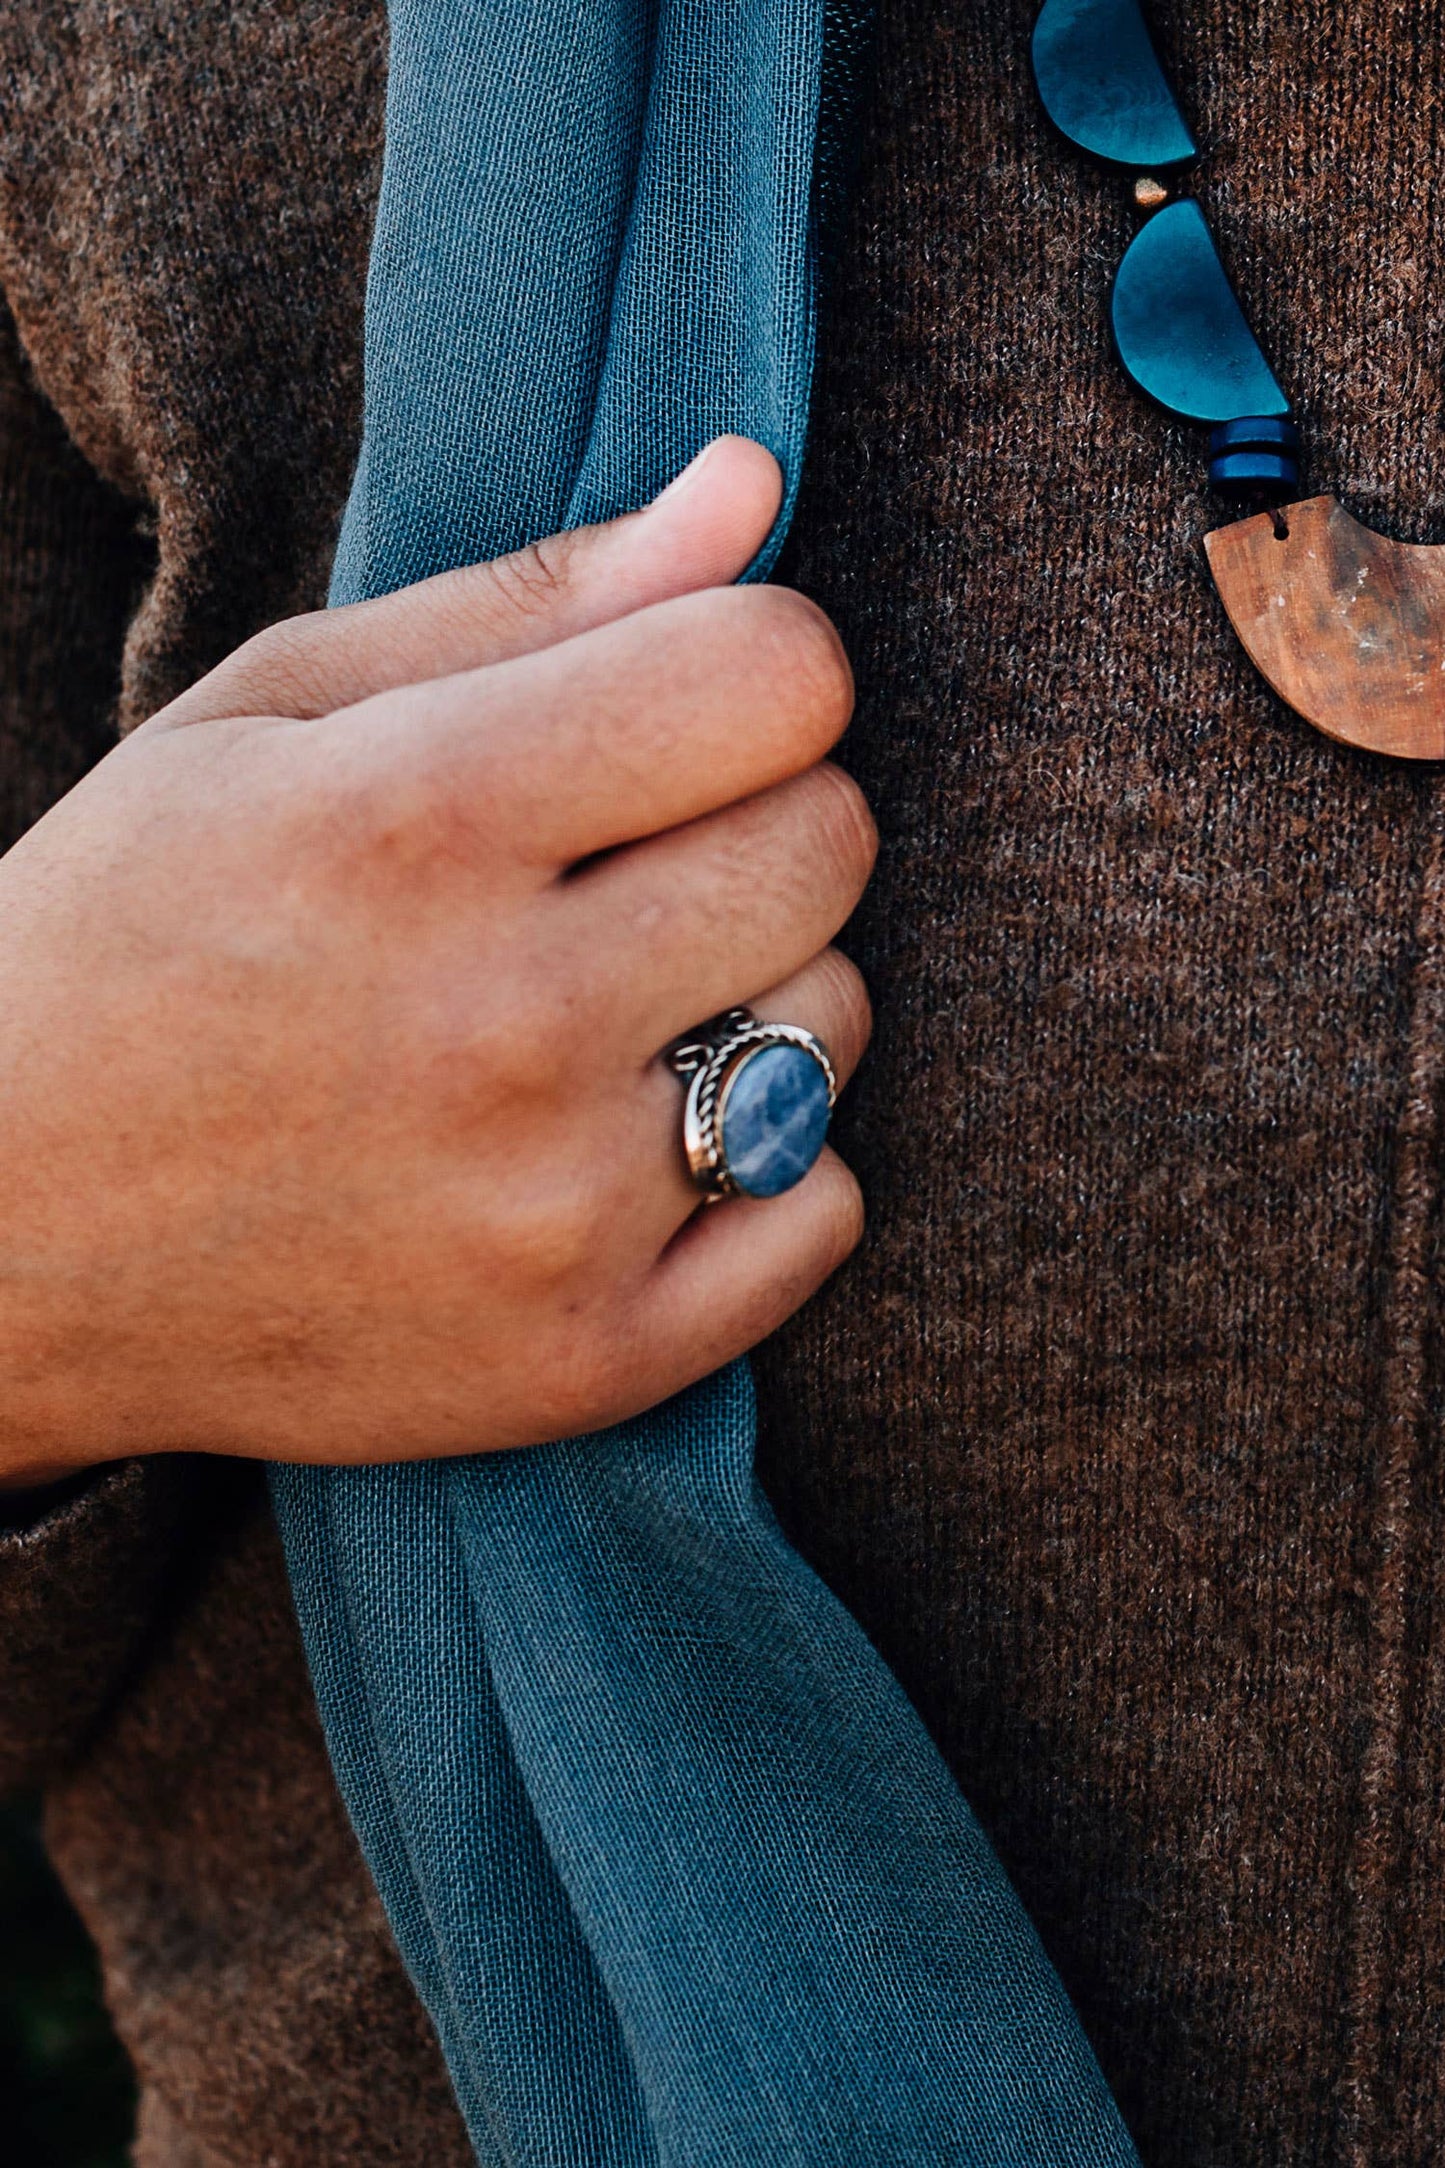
(335,1127)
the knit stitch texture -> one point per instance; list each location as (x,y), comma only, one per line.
(1122,1433)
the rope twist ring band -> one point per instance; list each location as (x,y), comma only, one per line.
(758,1101)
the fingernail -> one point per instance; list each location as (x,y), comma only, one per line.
(688,474)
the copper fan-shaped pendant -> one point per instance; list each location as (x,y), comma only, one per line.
(1347,625)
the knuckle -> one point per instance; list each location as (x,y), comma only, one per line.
(440,828)
(604,1363)
(367,809)
(277,645)
(844,998)
(557,1237)
(398,814)
(483,1074)
(529,581)
(358,836)
(805,650)
(567,1380)
(285,669)
(843,826)
(823,1239)
(841,1213)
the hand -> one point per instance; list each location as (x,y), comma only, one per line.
(332,1124)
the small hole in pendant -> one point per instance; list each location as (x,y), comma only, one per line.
(1281,524)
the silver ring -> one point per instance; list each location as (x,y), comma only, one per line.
(754,1123)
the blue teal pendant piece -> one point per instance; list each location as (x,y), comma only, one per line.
(773,1118)
(1102,85)
(1181,333)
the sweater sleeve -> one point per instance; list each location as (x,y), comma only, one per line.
(80,1567)
(74,559)
(82,1576)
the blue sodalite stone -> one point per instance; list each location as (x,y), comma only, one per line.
(1180,330)
(1102,85)
(774,1119)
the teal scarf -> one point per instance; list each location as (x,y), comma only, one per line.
(673,1864)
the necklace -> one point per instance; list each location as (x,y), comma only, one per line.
(1347,625)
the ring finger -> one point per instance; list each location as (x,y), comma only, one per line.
(827,998)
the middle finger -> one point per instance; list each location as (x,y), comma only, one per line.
(696,919)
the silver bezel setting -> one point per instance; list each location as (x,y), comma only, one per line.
(710,1060)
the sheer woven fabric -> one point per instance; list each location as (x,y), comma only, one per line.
(674,1866)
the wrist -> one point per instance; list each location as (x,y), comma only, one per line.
(58,1421)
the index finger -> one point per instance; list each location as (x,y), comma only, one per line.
(635,727)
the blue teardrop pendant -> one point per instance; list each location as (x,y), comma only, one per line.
(1180,331)
(1101,83)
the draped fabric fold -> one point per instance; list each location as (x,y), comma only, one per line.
(676,1870)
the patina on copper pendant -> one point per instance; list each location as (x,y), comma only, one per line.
(1347,625)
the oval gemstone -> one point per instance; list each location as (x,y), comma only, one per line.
(774,1119)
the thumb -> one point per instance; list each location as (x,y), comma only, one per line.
(703,531)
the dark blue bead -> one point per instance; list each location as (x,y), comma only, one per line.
(774,1119)
(1256,455)
(1256,433)
(1181,332)
(1102,85)
(1248,474)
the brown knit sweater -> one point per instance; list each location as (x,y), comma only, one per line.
(1122,1435)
